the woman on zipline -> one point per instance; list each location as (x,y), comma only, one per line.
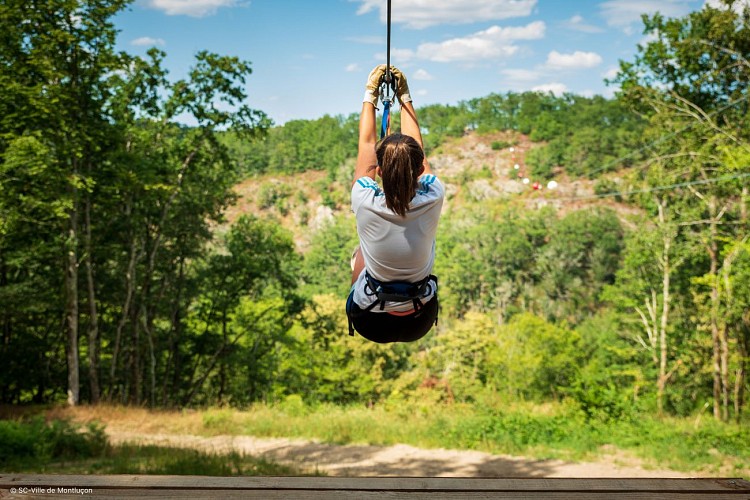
(394,294)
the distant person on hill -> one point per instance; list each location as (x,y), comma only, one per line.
(394,294)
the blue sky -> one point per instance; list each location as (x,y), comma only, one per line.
(311,58)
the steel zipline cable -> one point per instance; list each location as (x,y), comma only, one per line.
(388,47)
(385,94)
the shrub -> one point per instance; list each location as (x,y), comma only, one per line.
(274,194)
(35,440)
(498,145)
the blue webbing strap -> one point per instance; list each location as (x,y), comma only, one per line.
(385,124)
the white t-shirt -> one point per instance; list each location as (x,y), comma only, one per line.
(396,248)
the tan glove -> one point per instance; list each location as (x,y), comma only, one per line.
(372,88)
(402,87)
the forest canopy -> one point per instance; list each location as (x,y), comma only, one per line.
(121,279)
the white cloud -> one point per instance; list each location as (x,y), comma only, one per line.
(147,41)
(464,50)
(519,79)
(611,73)
(399,57)
(421,92)
(648,38)
(421,74)
(576,60)
(423,13)
(737,6)
(351,68)
(532,31)
(520,76)
(492,43)
(192,8)
(577,23)
(557,89)
(624,13)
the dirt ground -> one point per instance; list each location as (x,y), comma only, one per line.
(397,460)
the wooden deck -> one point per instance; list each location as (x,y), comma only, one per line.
(27,486)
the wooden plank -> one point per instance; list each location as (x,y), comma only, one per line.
(398,484)
(170,494)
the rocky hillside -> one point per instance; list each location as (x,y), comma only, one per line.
(474,168)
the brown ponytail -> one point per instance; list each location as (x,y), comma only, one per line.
(400,159)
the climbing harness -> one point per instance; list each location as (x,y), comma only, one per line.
(387,84)
(397,291)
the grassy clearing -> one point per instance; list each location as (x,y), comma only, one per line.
(140,459)
(59,447)
(536,431)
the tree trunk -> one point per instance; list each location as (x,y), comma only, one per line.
(666,278)
(741,375)
(222,361)
(716,354)
(152,356)
(718,369)
(743,331)
(725,385)
(71,319)
(7,330)
(129,290)
(93,330)
(135,358)
(151,266)
(173,356)
(71,297)
(195,387)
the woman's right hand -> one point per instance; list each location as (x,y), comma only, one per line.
(372,87)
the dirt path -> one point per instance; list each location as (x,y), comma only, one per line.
(397,460)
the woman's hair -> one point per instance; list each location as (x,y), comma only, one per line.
(400,159)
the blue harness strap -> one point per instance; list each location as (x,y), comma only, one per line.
(398,291)
(385,124)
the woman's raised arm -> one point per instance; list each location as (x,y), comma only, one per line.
(367,162)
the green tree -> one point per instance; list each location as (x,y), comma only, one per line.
(246,305)
(332,366)
(486,256)
(55,57)
(533,358)
(692,80)
(645,284)
(581,256)
(114,197)
(327,268)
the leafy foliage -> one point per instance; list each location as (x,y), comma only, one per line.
(37,441)
(114,247)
